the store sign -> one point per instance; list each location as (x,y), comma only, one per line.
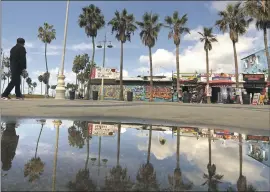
(107,73)
(257,138)
(254,77)
(101,129)
(255,85)
(219,78)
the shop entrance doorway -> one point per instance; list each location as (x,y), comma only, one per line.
(215,91)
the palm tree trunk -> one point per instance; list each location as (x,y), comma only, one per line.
(177,70)
(118,143)
(149,144)
(121,95)
(207,73)
(38,141)
(55,159)
(88,93)
(87,158)
(209,148)
(76,79)
(151,74)
(267,53)
(236,65)
(23,85)
(240,155)
(178,149)
(47,70)
(41,88)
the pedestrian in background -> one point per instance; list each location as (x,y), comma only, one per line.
(17,66)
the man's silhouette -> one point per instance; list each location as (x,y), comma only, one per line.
(9,142)
(17,65)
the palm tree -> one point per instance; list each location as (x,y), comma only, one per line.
(177,26)
(6,63)
(29,83)
(208,38)
(76,66)
(46,34)
(118,180)
(123,24)
(233,20)
(24,75)
(260,12)
(212,178)
(35,167)
(150,28)
(176,181)
(34,85)
(40,79)
(75,136)
(53,87)
(4,77)
(83,182)
(92,20)
(146,176)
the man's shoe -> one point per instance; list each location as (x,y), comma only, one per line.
(5,98)
(19,98)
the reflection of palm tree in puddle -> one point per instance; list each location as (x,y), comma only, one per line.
(176,181)
(83,182)
(242,181)
(35,167)
(9,143)
(146,176)
(76,134)
(212,179)
(118,180)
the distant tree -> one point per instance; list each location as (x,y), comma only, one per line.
(40,79)
(24,75)
(46,34)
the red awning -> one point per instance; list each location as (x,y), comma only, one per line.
(221,82)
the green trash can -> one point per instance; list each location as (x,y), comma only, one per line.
(129,96)
(95,95)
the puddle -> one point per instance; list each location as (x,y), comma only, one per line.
(37,155)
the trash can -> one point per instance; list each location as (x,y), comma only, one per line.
(246,99)
(129,96)
(72,95)
(95,95)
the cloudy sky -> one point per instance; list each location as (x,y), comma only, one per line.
(22,19)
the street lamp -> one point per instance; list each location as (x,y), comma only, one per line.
(103,65)
(60,89)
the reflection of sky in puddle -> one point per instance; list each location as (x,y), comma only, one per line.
(133,152)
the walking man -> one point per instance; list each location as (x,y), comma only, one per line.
(17,65)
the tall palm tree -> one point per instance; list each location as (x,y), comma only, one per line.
(76,66)
(234,21)
(118,180)
(212,178)
(35,167)
(176,181)
(75,136)
(242,181)
(92,20)
(150,28)
(57,124)
(123,24)
(46,34)
(146,176)
(4,77)
(177,26)
(40,79)
(260,12)
(208,38)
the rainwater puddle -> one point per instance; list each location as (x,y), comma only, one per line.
(45,155)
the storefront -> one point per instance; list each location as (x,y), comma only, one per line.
(254,83)
(188,88)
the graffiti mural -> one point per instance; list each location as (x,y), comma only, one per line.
(160,93)
(140,93)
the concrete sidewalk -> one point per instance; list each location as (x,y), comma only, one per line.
(209,115)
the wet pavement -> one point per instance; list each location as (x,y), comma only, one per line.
(53,155)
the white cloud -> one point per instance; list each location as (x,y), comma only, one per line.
(81,47)
(220,57)
(220,5)
(194,35)
(70,78)
(125,73)
(29,45)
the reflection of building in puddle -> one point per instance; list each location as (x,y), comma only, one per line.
(258,148)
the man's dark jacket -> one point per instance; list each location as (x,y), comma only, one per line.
(17,58)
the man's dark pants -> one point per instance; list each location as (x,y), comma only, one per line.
(15,82)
